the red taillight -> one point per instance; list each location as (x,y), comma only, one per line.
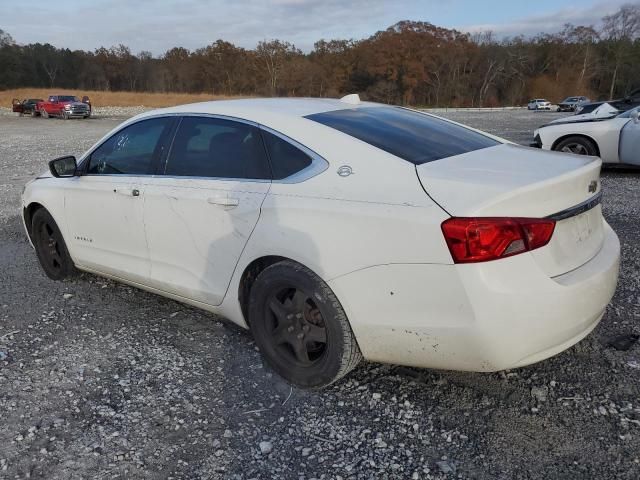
(482,239)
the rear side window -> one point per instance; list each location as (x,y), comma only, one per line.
(212,147)
(413,136)
(132,150)
(286,159)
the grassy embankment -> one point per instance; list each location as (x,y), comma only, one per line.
(111,99)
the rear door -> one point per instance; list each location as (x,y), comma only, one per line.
(200,213)
(629,149)
(104,206)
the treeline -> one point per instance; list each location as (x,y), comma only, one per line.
(409,63)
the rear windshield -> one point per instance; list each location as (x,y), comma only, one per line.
(413,136)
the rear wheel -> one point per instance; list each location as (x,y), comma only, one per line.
(34,113)
(50,246)
(577,145)
(300,327)
(43,113)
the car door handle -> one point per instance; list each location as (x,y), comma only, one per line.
(134,192)
(224,201)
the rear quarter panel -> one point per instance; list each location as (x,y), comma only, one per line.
(336,225)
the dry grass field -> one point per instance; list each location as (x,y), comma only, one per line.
(112,99)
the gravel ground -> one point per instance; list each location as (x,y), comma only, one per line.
(100,380)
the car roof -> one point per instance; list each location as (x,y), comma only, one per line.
(257,109)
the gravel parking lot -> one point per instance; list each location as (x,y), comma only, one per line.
(100,380)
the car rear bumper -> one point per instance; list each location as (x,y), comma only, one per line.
(476,317)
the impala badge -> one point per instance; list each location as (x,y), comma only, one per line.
(593,186)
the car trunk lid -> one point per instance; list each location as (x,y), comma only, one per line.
(513,181)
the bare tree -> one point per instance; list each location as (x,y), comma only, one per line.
(272,57)
(621,29)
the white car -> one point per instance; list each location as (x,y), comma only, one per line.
(604,111)
(614,140)
(539,104)
(337,230)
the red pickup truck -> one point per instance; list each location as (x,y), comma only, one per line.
(64,106)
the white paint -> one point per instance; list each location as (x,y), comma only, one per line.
(604,133)
(373,236)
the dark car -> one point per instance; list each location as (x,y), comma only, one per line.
(569,104)
(622,104)
(26,107)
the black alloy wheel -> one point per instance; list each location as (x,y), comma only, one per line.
(50,246)
(300,327)
(296,326)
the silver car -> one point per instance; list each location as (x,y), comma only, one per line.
(539,104)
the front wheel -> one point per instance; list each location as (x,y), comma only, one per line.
(577,145)
(50,246)
(300,327)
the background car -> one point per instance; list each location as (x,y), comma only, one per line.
(621,104)
(339,229)
(65,106)
(569,104)
(614,140)
(26,107)
(603,112)
(539,104)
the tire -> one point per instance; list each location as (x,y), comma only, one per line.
(300,327)
(50,246)
(34,113)
(65,115)
(558,109)
(44,114)
(577,145)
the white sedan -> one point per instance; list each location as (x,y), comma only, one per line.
(539,104)
(614,139)
(337,230)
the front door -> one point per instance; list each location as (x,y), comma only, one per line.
(17,106)
(200,214)
(629,150)
(104,206)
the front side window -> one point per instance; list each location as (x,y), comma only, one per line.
(286,159)
(217,148)
(412,136)
(131,151)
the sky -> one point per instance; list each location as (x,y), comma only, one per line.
(157,25)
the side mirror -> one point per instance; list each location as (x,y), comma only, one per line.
(63,167)
(635,116)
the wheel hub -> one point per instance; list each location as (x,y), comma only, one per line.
(299,332)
